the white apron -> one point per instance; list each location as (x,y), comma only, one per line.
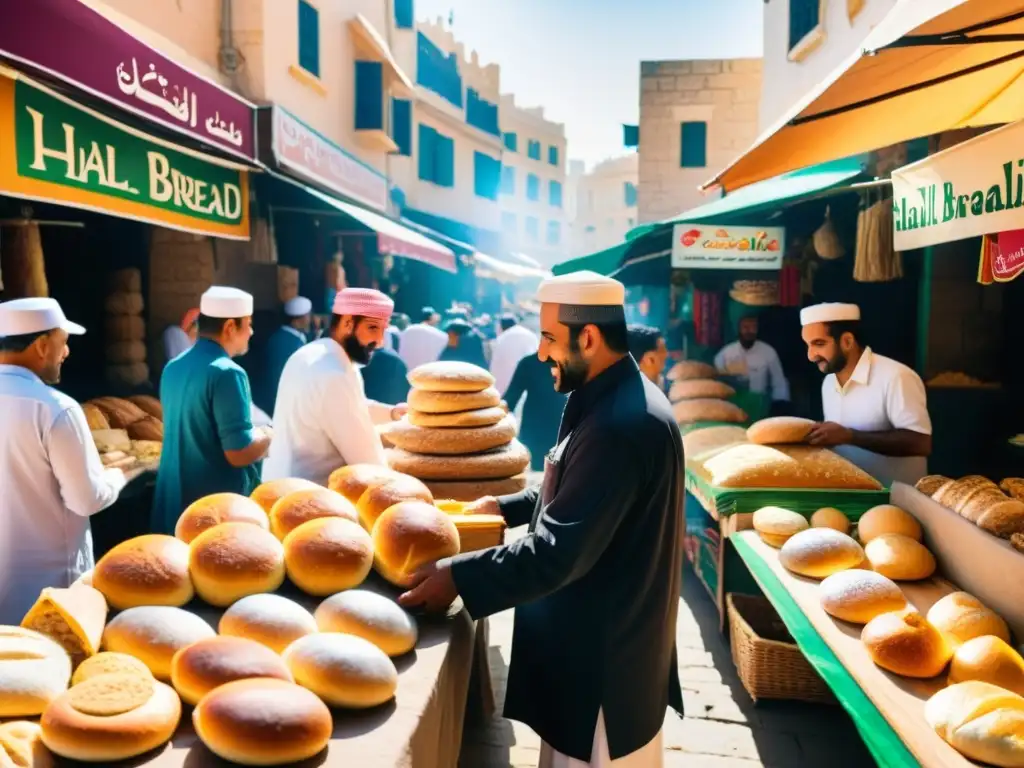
(651,755)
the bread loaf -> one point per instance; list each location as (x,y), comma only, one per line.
(109,663)
(34,670)
(450,376)
(343,670)
(899,557)
(1013,487)
(94,417)
(707,409)
(125,328)
(691,369)
(263,721)
(482,417)
(370,616)
(820,552)
(218,508)
(690,389)
(268,493)
(929,484)
(125,352)
(980,721)
(153,634)
(904,643)
(147,570)
(776,525)
(495,464)
(785,466)
(884,519)
(829,517)
(410,535)
(858,596)
(146,429)
(74,617)
(120,413)
(300,507)
(149,404)
(378,498)
(110,440)
(1002,517)
(328,555)
(450,441)
(960,617)
(471,490)
(272,620)
(233,560)
(779,430)
(21,746)
(453,402)
(207,664)
(353,480)
(702,441)
(954,495)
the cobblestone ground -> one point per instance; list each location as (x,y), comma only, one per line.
(722,728)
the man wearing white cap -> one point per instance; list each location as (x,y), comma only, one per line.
(50,472)
(289,338)
(210,444)
(595,582)
(323,418)
(876,409)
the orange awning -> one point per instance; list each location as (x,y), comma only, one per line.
(929,66)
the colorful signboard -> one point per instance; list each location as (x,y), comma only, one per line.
(71,41)
(970,190)
(708,246)
(1002,257)
(54,150)
(306,152)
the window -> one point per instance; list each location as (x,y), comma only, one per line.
(553,155)
(369,96)
(309,38)
(630,194)
(693,145)
(508,222)
(532,187)
(508,180)
(555,193)
(533,150)
(481,113)
(804,16)
(511,142)
(631,136)
(532,227)
(405,15)
(436,157)
(438,71)
(486,175)
(401,125)
(554,233)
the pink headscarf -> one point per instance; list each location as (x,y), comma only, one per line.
(363,302)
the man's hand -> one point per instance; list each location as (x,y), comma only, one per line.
(269,432)
(435,589)
(828,434)
(486,505)
(399,411)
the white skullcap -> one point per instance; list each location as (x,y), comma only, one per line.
(582,288)
(21,317)
(300,306)
(829,313)
(225,303)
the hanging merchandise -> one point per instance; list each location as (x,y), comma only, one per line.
(126,348)
(826,240)
(789,284)
(707,318)
(22,262)
(756,293)
(876,261)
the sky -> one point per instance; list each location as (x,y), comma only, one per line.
(580,59)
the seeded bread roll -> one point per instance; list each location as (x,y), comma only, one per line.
(199,668)
(153,634)
(858,596)
(779,430)
(496,464)
(929,484)
(1001,517)
(904,643)
(234,560)
(146,570)
(481,417)
(267,494)
(343,670)
(370,616)
(74,617)
(272,620)
(450,376)
(471,490)
(453,402)
(218,508)
(451,441)
(328,555)
(300,507)
(955,494)
(820,552)
(34,670)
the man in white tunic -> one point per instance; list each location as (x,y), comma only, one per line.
(51,475)
(876,409)
(322,418)
(757,362)
(423,342)
(513,344)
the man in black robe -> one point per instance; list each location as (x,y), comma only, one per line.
(595,582)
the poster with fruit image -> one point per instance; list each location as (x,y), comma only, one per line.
(709,246)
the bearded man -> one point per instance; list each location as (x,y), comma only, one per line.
(876,409)
(750,358)
(322,418)
(595,581)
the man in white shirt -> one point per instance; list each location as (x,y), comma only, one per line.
(513,344)
(876,409)
(181,337)
(757,362)
(51,475)
(423,342)
(322,417)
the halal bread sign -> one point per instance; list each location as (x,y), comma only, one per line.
(707,246)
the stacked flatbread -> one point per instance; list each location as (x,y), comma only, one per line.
(981,501)
(457,437)
(697,395)
(755,293)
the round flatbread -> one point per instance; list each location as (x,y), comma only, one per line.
(471,490)
(451,441)
(452,402)
(691,369)
(450,376)
(495,464)
(481,417)
(689,389)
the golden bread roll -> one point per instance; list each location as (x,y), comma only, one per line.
(1013,487)
(149,404)
(410,535)
(858,596)
(218,508)
(495,464)
(988,659)
(698,442)
(830,517)
(778,430)
(980,721)
(21,746)
(775,525)
(94,417)
(343,670)
(450,441)
(300,507)
(450,376)
(886,518)
(153,634)
(378,498)
(34,670)
(111,717)
(353,480)
(481,417)
(820,552)
(453,402)
(146,570)
(471,490)
(370,616)
(109,663)
(899,557)
(74,617)
(707,409)
(267,494)
(272,620)
(904,643)
(691,389)
(929,484)
(327,555)
(263,721)
(960,617)
(785,466)
(1001,517)
(691,369)
(234,560)
(199,668)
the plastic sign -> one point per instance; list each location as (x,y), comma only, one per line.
(708,246)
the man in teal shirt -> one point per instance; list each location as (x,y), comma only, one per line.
(210,444)
(288,339)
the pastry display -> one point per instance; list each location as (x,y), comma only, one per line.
(980,721)
(904,643)
(858,596)
(74,617)
(961,617)
(410,535)
(779,430)
(219,508)
(775,525)
(34,670)
(354,480)
(129,431)
(899,557)
(820,552)
(988,659)
(234,560)
(692,389)
(153,634)
(370,616)
(272,620)
(291,511)
(147,570)
(267,494)
(207,664)
(884,519)
(830,517)
(343,670)
(784,466)
(328,555)
(378,498)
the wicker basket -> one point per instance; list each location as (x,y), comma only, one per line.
(769,663)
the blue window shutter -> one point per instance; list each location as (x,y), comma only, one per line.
(693,151)
(401,125)
(804,15)
(630,194)
(511,142)
(508,180)
(486,171)
(631,136)
(554,232)
(532,187)
(405,15)
(369,96)
(427,149)
(438,71)
(481,113)
(553,155)
(309,38)
(533,150)
(445,162)
(555,193)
